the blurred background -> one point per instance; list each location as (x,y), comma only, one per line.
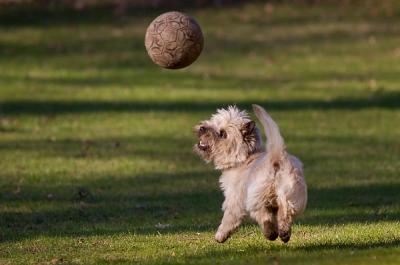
(95,140)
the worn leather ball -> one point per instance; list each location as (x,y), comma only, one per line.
(174,40)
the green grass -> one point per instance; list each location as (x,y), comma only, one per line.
(95,141)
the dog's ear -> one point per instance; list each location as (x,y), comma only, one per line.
(248,128)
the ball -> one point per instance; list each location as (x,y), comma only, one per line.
(174,40)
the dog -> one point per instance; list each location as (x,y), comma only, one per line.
(265,183)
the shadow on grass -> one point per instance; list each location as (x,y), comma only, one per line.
(37,15)
(42,15)
(271,255)
(384,100)
(116,204)
(354,204)
(116,48)
(318,39)
(190,80)
(165,148)
(179,148)
(112,205)
(101,12)
(148,79)
(125,49)
(164,203)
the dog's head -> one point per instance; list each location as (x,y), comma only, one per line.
(228,138)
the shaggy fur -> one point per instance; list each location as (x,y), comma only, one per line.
(266,184)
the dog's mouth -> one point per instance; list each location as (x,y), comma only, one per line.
(202,146)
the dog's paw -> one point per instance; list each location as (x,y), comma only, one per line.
(270,231)
(284,236)
(273,235)
(221,237)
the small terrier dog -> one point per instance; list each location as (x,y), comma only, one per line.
(265,183)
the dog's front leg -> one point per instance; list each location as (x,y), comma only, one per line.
(233,217)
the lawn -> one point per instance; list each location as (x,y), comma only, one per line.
(95,140)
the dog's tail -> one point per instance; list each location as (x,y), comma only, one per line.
(275,144)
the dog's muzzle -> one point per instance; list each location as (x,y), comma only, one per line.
(202,146)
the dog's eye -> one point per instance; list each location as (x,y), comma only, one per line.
(222,134)
(202,129)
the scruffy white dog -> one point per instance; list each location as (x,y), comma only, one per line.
(267,184)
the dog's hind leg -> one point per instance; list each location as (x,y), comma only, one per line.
(284,220)
(266,218)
